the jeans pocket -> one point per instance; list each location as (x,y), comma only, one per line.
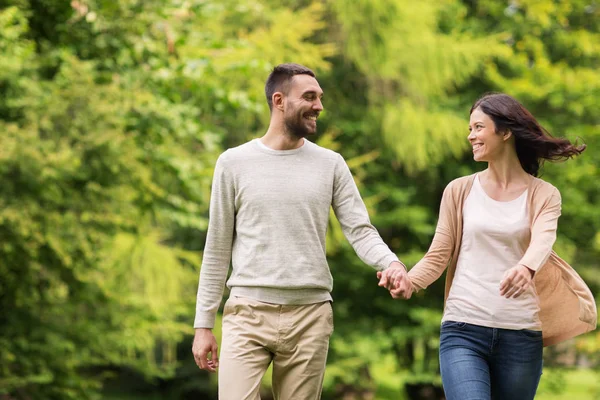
(453,325)
(531,334)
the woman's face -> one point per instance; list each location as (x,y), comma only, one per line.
(487,144)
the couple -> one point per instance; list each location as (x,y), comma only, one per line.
(507,293)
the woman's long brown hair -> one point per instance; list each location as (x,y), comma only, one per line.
(534,144)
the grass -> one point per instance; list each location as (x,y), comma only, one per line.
(569,384)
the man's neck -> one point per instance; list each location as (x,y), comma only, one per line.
(277,140)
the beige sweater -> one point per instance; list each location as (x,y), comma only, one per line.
(269,213)
(567,306)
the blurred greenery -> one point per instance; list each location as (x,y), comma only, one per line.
(112,115)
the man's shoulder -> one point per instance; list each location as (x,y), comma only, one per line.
(242,149)
(237,152)
(321,151)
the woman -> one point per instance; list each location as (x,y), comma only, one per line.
(507,293)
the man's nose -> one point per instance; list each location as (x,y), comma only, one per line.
(318,105)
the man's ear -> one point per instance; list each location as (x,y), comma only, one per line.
(277,100)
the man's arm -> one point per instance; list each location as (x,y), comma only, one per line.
(215,264)
(352,214)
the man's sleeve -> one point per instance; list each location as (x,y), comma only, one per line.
(352,214)
(217,251)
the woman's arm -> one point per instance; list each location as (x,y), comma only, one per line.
(435,261)
(543,233)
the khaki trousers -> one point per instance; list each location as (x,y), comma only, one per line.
(295,338)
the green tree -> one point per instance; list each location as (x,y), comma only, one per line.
(113,113)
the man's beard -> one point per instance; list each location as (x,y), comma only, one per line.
(297,128)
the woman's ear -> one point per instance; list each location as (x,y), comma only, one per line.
(507,134)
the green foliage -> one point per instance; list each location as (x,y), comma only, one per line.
(412,69)
(112,116)
(92,169)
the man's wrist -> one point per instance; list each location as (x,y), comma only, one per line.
(398,264)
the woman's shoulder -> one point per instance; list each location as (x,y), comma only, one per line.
(461,183)
(543,188)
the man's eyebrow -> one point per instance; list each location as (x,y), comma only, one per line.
(311,91)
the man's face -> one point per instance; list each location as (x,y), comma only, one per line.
(303,106)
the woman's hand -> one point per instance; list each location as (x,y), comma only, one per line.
(515,281)
(395,279)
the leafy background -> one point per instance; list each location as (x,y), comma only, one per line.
(112,115)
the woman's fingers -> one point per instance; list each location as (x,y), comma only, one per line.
(507,282)
(514,283)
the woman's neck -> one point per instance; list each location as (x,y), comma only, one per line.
(506,172)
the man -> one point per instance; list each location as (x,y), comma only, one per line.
(269,213)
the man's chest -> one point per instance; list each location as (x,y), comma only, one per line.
(285,186)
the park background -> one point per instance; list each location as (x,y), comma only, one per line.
(113,113)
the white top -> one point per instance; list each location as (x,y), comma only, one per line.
(495,238)
(269,212)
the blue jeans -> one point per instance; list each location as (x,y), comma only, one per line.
(480,363)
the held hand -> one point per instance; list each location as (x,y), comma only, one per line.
(403,288)
(395,279)
(388,277)
(204,343)
(515,281)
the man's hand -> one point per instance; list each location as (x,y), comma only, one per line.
(515,281)
(396,280)
(204,343)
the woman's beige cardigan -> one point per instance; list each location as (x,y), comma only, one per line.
(567,306)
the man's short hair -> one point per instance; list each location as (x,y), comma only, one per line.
(279,79)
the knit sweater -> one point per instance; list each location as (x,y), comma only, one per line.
(269,213)
(567,306)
